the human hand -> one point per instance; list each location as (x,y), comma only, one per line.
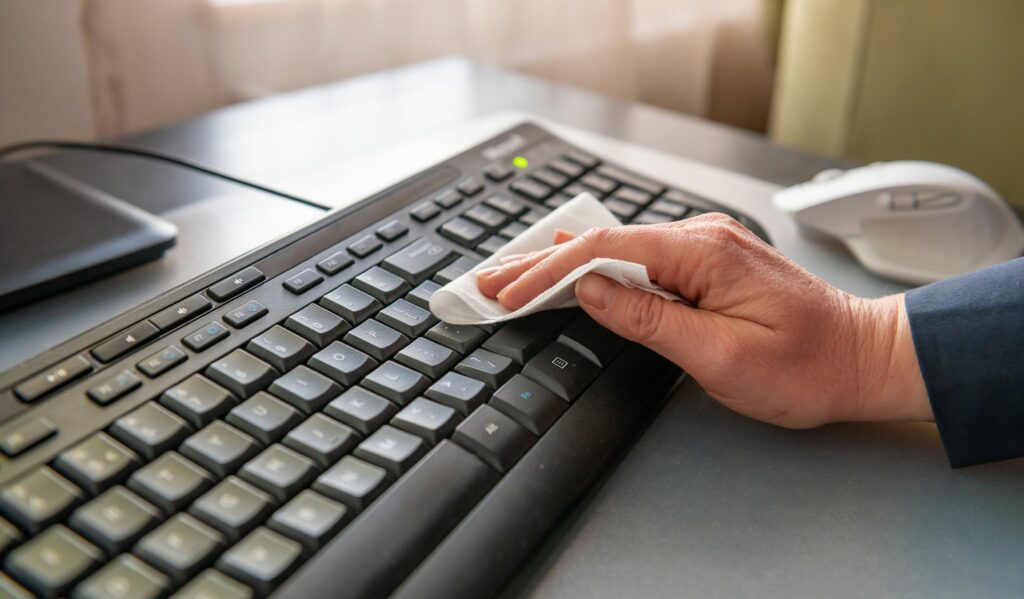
(763,336)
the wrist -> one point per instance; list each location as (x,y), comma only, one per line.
(891,387)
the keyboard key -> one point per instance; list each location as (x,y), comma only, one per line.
(569,169)
(241,373)
(235,284)
(220,448)
(264,417)
(365,246)
(424,211)
(245,314)
(125,341)
(494,437)
(310,519)
(407,318)
(574,190)
(448,198)
(459,392)
(205,336)
(304,281)
(51,563)
(671,209)
(426,419)
(353,482)
(126,576)
(550,178)
(623,210)
(261,560)
(183,311)
(96,463)
(211,584)
(198,400)
(522,338)
(486,216)
(507,204)
(557,200)
(633,196)
(317,325)
(535,190)
(362,410)
(463,232)
(180,547)
(322,439)
(646,185)
(528,403)
(428,357)
(280,348)
(512,230)
(469,186)
(378,340)
(279,471)
(51,379)
(651,218)
(114,388)
(463,338)
(170,482)
(533,216)
(350,303)
(582,158)
(162,361)
(498,172)
(149,430)
(420,295)
(38,499)
(392,231)
(305,389)
(115,519)
(22,436)
(342,363)
(391,449)
(592,341)
(335,263)
(9,537)
(396,382)
(562,370)
(12,590)
(386,287)
(486,366)
(490,245)
(414,516)
(602,185)
(455,270)
(234,507)
(419,260)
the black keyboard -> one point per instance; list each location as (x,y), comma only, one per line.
(298,423)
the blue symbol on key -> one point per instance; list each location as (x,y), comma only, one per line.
(122,380)
(170,354)
(212,330)
(526,395)
(252,307)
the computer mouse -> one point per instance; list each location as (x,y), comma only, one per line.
(912,221)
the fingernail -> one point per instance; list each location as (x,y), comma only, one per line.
(596,291)
(487,272)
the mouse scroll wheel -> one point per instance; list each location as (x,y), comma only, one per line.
(922,200)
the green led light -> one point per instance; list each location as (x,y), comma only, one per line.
(520,162)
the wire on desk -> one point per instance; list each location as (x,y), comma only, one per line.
(141,153)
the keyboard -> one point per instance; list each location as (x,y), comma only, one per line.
(297,423)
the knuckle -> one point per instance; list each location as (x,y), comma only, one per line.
(596,236)
(643,316)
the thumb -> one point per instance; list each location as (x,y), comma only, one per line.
(665,326)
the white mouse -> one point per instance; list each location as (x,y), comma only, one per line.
(912,221)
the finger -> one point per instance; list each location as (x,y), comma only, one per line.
(669,328)
(492,280)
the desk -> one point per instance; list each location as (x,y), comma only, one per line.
(706,502)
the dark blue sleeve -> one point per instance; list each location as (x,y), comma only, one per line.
(969,337)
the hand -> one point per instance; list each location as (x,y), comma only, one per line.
(763,336)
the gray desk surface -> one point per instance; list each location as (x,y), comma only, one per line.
(706,503)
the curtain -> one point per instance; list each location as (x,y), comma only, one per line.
(157,61)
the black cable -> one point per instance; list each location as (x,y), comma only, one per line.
(138,152)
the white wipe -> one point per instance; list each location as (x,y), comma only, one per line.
(460,302)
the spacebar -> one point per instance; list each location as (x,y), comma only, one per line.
(386,542)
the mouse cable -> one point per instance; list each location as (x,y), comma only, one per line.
(44,144)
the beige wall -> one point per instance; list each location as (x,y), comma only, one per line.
(44,88)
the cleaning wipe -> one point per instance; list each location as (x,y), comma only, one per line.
(460,302)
